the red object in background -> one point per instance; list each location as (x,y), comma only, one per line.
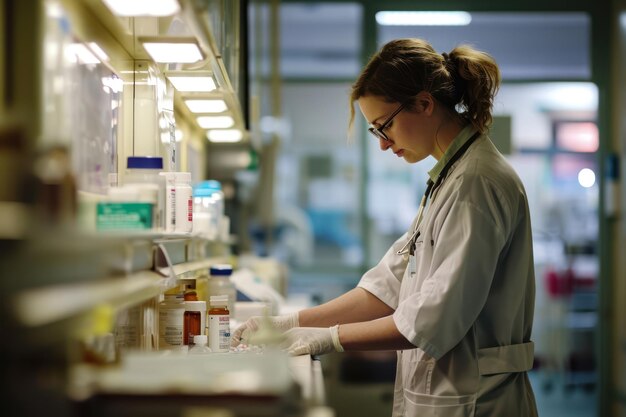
(559,284)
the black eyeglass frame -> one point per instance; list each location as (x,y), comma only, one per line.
(378,132)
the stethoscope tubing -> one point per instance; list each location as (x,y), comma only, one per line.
(431,187)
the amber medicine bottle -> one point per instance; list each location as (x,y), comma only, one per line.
(195,312)
(219,324)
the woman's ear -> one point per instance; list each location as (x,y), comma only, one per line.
(425,103)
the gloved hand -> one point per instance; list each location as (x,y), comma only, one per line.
(312,340)
(282,323)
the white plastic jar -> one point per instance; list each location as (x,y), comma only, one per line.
(144,171)
(178,202)
(171,321)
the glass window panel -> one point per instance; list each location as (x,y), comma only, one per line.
(526,45)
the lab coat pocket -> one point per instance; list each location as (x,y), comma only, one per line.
(423,405)
(417,370)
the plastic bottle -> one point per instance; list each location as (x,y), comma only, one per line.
(199,345)
(127,327)
(219,324)
(194,317)
(171,321)
(208,209)
(220,284)
(178,202)
(145,170)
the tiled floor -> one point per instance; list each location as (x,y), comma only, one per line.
(561,402)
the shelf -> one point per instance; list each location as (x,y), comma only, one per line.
(96,271)
(45,305)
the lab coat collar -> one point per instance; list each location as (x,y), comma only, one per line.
(457,142)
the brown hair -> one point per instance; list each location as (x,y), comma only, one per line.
(465,80)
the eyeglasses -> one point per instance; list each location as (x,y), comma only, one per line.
(379,131)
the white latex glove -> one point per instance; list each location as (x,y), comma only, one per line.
(282,323)
(312,340)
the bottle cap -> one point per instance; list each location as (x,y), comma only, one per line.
(144,162)
(221,270)
(218,300)
(199,339)
(195,305)
(184,177)
(207,188)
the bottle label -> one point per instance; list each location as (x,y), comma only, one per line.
(171,323)
(172,209)
(219,332)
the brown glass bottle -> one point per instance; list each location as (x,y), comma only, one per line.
(219,324)
(193,320)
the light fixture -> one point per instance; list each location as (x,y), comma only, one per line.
(399,18)
(225,136)
(215,122)
(191,82)
(206,106)
(172,50)
(143,7)
(586,178)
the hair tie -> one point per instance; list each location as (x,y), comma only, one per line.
(445,56)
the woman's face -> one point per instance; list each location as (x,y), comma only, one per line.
(409,132)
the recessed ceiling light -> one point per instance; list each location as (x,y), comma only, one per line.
(225,136)
(206,106)
(183,50)
(215,122)
(143,7)
(398,18)
(185,84)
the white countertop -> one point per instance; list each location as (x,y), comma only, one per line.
(308,374)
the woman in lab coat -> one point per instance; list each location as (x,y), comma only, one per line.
(455,294)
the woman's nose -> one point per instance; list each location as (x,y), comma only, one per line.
(385,144)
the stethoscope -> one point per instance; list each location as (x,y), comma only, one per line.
(431,187)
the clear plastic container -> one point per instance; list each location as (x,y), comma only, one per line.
(219,283)
(145,170)
(208,209)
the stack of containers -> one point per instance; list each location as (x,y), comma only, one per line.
(148,199)
(138,203)
(219,284)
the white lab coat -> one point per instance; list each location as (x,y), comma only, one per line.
(468,306)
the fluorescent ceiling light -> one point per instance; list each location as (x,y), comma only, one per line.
(186,84)
(225,136)
(215,122)
(423,18)
(183,51)
(206,106)
(143,7)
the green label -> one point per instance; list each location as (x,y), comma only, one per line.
(123,216)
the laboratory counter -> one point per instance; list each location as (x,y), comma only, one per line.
(218,384)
